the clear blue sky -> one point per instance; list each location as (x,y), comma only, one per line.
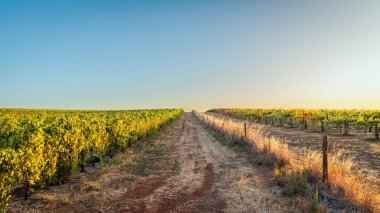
(191,54)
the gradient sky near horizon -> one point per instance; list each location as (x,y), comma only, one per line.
(191,54)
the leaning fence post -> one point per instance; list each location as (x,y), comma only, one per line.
(325,163)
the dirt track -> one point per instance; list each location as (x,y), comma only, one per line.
(186,170)
(200,175)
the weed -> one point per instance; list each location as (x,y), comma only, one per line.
(118,159)
(280,175)
(314,203)
(295,185)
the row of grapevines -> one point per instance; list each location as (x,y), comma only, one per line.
(321,118)
(39,147)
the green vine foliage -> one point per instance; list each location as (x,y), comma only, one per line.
(41,147)
(318,117)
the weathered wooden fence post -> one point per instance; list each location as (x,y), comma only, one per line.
(325,162)
(268,149)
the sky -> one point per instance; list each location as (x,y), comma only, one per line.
(192,54)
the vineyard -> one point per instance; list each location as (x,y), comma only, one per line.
(322,120)
(86,161)
(44,147)
(295,136)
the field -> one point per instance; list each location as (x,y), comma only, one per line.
(46,147)
(169,161)
(361,147)
(354,155)
(359,144)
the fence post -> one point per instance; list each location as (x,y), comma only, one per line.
(245,130)
(325,163)
(268,149)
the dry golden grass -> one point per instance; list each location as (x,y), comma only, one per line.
(91,186)
(341,178)
(375,148)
